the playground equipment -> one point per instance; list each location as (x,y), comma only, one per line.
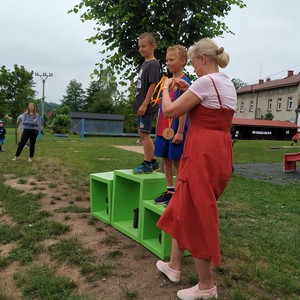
(126,202)
(290,160)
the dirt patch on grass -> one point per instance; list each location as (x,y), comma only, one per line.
(138,149)
(133,276)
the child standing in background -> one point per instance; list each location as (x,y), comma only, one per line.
(170,133)
(148,77)
(295,139)
(2,136)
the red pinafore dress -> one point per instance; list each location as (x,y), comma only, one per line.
(205,169)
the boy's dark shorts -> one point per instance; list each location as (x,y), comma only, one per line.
(165,148)
(145,122)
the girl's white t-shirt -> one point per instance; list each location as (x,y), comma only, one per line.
(204,89)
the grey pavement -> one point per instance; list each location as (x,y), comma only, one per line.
(268,172)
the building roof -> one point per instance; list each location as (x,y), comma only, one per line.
(264,123)
(270,84)
(95,116)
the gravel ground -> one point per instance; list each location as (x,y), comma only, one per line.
(269,172)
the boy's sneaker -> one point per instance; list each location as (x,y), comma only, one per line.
(155,166)
(143,168)
(164,197)
(167,202)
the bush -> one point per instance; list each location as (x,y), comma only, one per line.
(61,123)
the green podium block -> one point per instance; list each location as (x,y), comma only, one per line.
(101,189)
(129,190)
(152,238)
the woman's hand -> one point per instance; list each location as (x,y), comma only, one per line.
(168,83)
(181,84)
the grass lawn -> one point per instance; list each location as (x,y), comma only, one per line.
(259,222)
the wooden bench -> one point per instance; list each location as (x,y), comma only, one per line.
(290,161)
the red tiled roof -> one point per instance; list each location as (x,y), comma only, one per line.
(264,123)
(267,85)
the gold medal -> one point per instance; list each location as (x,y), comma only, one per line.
(168,133)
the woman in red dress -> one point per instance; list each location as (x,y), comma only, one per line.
(191,218)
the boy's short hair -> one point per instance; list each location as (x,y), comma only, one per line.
(149,36)
(181,50)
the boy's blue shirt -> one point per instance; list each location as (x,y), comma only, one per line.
(2,132)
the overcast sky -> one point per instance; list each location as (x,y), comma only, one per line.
(42,37)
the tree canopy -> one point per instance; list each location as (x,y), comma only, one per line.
(120,22)
(238,83)
(16,90)
(102,93)
(75,96)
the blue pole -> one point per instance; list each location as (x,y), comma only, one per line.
(40,129)
(82,130)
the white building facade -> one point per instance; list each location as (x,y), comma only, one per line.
(280,97)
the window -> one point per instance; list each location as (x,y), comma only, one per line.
(291,90)
(251,106)
(279,104)
(290,103)
(269,104)
(242,106)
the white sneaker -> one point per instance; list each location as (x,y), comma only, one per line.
(15,158)
(163,267)
(29,159)
(195,293)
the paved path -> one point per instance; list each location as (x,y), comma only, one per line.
(269,172)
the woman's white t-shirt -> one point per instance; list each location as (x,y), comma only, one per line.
(204,89)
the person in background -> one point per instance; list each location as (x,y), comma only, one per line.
(20,129)
(148,77)
(2,136)
(170,133)
(191,218)
(295,139)
(32,125)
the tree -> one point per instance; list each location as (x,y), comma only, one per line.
(16,90)
(238,83)
(120,22)
(75,96)
(124,107)
(102,93)
(60,120)
(61,124)
(268,116)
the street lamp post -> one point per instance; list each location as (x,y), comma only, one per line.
(43,77)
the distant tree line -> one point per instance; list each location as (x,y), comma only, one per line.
(101,96)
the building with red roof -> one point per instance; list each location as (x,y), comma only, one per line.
(279,99)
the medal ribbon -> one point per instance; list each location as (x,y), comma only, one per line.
(158,89)
(170,122)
